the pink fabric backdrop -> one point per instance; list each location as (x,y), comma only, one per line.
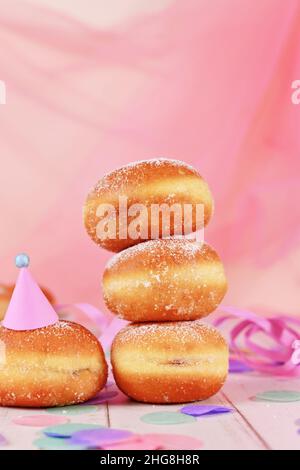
(208,82)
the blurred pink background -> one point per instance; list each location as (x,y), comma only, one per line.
(94,85)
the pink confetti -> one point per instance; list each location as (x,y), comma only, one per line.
(134,443)
(40,420)
(174,441)
(156,442)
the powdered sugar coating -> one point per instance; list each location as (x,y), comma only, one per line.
(179,250)
(122,177)
(184,332)
(60,338)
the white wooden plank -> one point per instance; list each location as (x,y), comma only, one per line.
(226,431)
(274,422)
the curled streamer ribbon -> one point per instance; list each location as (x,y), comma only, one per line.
(283,358)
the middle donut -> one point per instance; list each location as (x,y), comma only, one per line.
(164,280)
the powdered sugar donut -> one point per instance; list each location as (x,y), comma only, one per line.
(174,362)
(164,280)
(127,205)
(57,365)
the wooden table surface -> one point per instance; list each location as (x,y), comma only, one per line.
(261,425)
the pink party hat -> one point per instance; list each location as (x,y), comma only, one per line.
(29,308)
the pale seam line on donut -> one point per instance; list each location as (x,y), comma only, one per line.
(42,376)
(176,188)
(128,363)
(16,379)
(29,368)
(212,274)
(49,361)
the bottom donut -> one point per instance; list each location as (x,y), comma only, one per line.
(176,362)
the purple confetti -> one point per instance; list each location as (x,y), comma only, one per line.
(199,410)
(236,366)
(3,441)
(97,437)
(110,383)
(101,398)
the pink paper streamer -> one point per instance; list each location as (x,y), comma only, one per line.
(284,332)
(109,325)
(90,312)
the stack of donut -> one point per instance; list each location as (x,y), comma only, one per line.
(163,286)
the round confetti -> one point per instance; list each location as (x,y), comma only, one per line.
(93,438)
(137,442)
(102,398)
(48,443)
(200,410)
(72,410)
(173,441)
(167,417)
(40,420)
(156,442)
(3,441)
(67,430)
(279,395)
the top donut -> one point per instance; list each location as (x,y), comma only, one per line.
(146,200)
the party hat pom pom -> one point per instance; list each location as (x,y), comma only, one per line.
(22,260)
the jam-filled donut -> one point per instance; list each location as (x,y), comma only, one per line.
(148,189)
(57,365)
(174,362)
(164,280)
